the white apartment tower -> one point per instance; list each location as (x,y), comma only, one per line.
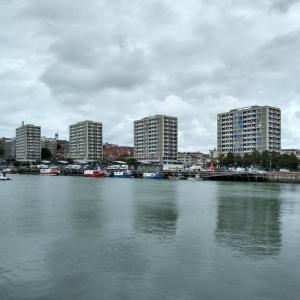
(247,129)
(86,141)
(28,143)
(155,138)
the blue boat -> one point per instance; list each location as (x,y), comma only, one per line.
(123,174)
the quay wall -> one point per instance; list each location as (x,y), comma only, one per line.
(290,177)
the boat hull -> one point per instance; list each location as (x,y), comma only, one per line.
(50,174)
(123,175)
(94,175)
(153,176)
(52,171)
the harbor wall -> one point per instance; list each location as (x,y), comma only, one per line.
(290,177)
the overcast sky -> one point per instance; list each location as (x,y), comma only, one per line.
(114,61)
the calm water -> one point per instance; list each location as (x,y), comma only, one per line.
(79,238)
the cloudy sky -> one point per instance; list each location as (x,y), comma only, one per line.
(114,61)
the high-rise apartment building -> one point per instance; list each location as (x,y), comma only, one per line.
(86,141)
(247,129)
(28,143)
(155,138)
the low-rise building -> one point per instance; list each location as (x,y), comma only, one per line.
(191,158)
(7,148)
(50,144)
(63,149)
(291,151)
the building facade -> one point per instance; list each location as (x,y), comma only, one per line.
(86,141)
(7,148)
(51,145)
(156,138)
(191,158)
(296,152)
(28,143)
(63,149)
(247,129)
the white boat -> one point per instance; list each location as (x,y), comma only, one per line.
(3,176)
(156,175)
(51,171)
(198,177)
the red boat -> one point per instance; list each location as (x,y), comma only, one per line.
(94,173)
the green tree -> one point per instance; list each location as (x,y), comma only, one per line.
(256,158)
(46,154)
(229,159)
(247,160)
(265,160)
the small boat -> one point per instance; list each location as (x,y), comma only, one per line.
(10,171)
(51,171)
(123,174)
(198,177)
(94,173)
(156,175)
(3,176)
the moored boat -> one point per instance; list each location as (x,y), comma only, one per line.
(123,174)
(3,176)
(51,171)
(155,175)
(94,173)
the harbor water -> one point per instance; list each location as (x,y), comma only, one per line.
(85,238)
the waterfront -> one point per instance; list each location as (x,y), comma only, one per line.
(79,238)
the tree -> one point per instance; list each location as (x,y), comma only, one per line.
(256,157)
(229,159)
(46,154)
(123,157)
(132,161)
(265,160)
(247,160)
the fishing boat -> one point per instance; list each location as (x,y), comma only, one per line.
(94,173)
(123,174)
(3,176)
(51,171)
(156,175)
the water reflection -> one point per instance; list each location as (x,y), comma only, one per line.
(85,200)
(156,209)
(249,221)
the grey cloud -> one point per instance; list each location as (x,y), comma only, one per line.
(114,68)
(284,5)
(115,61)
